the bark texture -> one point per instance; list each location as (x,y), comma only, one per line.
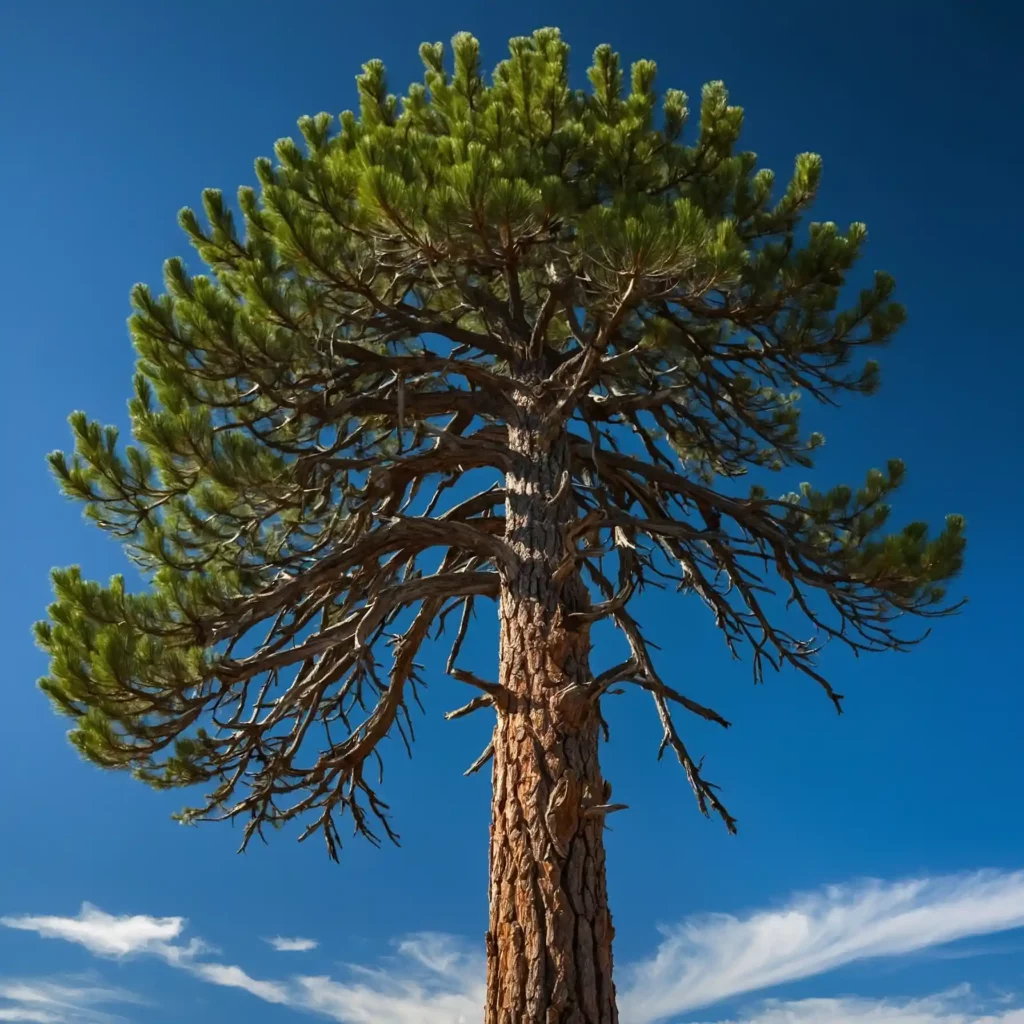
(549,945)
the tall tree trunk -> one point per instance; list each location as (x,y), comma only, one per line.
(549,946)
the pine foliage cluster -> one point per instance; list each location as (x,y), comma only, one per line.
(401,286)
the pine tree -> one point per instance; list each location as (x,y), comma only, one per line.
(512,282)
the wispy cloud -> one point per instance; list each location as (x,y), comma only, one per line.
(429,980)
(45,1001)
(432,979)
(958,1006)
(283,945)
(230,976)
(109,935)
(104,934)
(26,1013)
(708,959)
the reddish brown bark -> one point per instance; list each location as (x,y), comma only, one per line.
(549,946)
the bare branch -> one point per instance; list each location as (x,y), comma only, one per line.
(487,754)
(476,704)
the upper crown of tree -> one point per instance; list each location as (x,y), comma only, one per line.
(403,292)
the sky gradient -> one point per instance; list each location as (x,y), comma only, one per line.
(113,118)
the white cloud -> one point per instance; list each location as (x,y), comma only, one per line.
(431,979)
(24,1013)
(108,935)
(104,934)
(954,1007)
(41,1001)
(708,959)
(296,945)
(234,977)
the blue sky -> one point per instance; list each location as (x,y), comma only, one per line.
(877,874)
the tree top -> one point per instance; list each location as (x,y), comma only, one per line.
(410,285)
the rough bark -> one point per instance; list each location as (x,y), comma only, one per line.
(549,946)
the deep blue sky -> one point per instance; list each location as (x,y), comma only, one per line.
(114,115)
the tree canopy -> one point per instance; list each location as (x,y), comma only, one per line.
(403,286)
